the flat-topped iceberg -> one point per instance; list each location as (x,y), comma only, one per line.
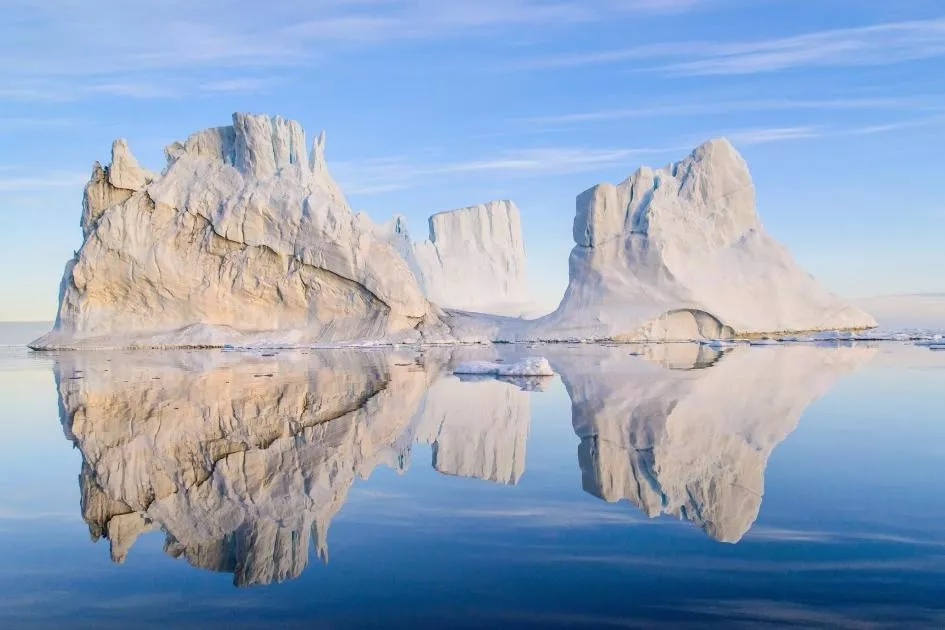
(473,260)
(244,240)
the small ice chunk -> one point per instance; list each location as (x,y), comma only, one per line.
(718,344)
(765,341)
(529,366)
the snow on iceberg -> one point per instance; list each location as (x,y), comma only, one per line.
(529,366)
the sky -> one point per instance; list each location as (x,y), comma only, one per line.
(837,105)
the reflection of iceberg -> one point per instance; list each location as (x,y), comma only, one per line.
(695,443)
(240,459)
(477,428)
(236,460)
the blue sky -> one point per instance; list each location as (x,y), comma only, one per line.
(838,106)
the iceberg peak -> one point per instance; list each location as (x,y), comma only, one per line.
(317,156)
(124,171)
(263,144)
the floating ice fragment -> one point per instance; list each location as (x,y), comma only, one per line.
(718,344)
(764,342)
(529,366)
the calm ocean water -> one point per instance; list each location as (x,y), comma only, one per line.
(665,486)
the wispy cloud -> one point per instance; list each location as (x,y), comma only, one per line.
(390,20)
(32,122)
(898,125)
(381,175)
(547,160)
(53,91)
(50,180)
(668,50)
(765,135)
(62,43)
(872,45)
(747,105)
(878,44)
(237,85)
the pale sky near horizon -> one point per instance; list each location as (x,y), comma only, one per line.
(837,105)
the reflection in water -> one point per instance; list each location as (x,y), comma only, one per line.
(241,459)
(694,443)
(236,460)
(477,428)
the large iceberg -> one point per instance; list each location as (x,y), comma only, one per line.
(243,239)
(680,253)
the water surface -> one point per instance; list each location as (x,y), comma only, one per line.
(642,486)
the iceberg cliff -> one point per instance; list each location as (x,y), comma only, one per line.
(243,238)
(474,259)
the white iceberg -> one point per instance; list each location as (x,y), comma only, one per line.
(244,240)
(679,253)
(241,239)
(529,366)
